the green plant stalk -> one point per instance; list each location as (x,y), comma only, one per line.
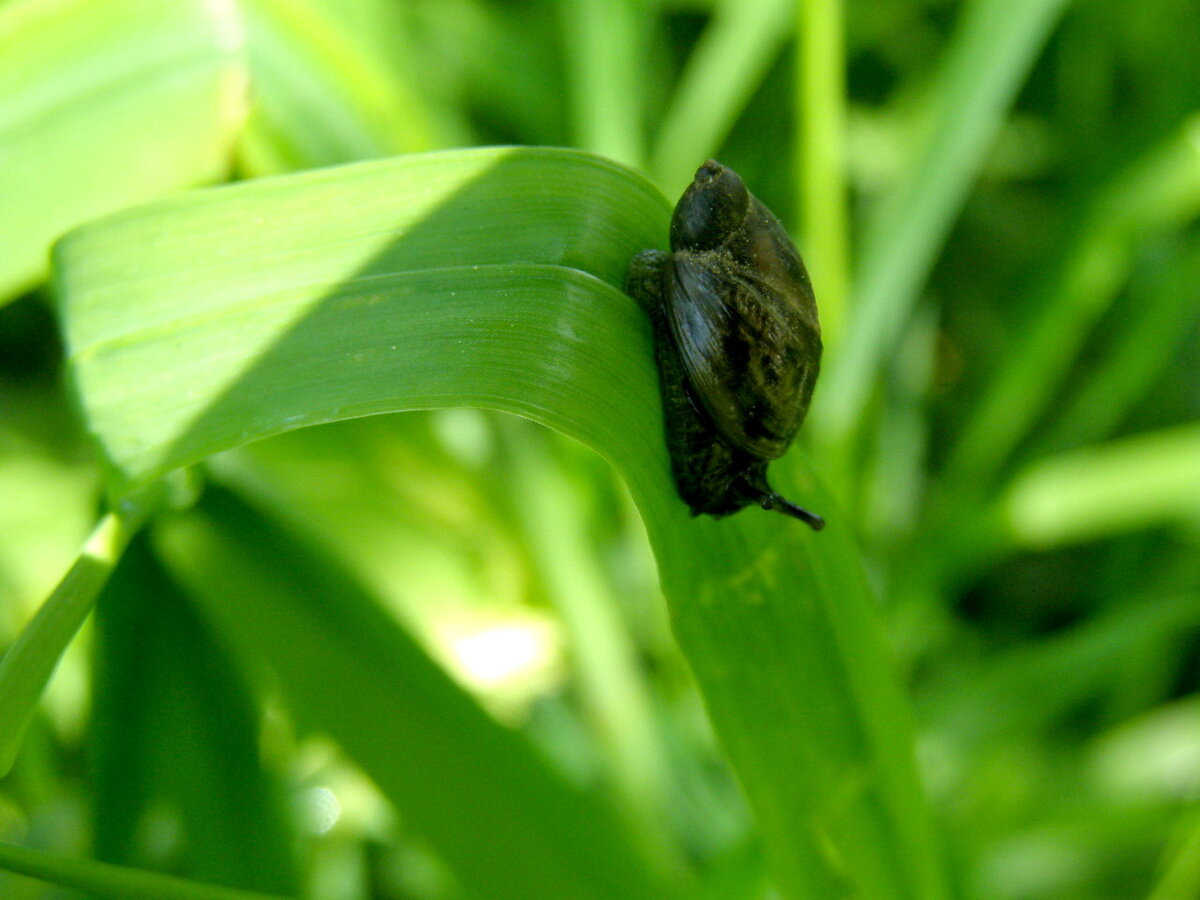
(605,42)
(29,663)
(820,172)
(111,882)
(729,61)
(994,47)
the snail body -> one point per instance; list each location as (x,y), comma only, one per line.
(737,342)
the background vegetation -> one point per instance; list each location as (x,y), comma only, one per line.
(424,654)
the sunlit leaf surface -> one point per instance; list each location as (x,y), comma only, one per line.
(490,278)
(104,104)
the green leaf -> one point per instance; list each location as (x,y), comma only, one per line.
(321,96)
(109,882)
(1157,194)
(1125,484)
(30,661)
(994,47)
(488,278)
(104,103)
(729,61)
(1161,310)
(1180,871)
(1024,691)
(614,698)
(606,45)
(820,156)
(420,251)
(174,729)
(501,818)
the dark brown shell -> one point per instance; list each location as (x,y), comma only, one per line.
(737,342)
(742,314)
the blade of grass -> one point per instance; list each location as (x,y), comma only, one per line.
(107,104)
(894,486)
(1179,876)
(110,882)
(244,328)
(1158,194)
(174,727)
(1152,198)
(507,824)
(31,660)
(613,695)
(606,44)
(1115,487)
(1165,308)
(784,636)
(730,59)
(1077,496)
(511,65)
(820,173)
(396,225)
(321,96)
(1026,690)
(994,46)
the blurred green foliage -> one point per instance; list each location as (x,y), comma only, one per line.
(1000,202)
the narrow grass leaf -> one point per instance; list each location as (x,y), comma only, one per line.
(109,882)
(784,636)
(1131,483)
(606,44)
(729,61)
(1157,195)
(616,704)
(820,170)
(1163,313)
(321,96)
(1024,691)
(995,45)
(175,728)
(486,279)
(497,814)
(31,660)
(1179,877)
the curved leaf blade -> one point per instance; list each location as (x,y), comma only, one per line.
(486,278)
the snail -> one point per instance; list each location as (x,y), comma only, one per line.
(737,343)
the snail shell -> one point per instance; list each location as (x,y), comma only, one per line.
(737,341)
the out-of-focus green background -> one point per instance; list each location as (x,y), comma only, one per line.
(1000,206)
